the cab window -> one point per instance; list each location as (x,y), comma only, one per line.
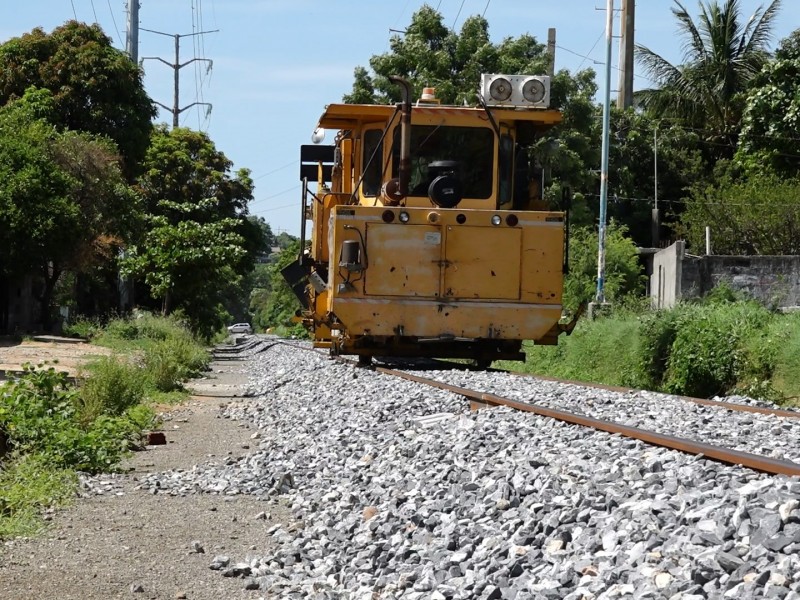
(472,148)
(373,149)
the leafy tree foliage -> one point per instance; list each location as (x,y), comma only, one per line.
(64,203)
(95,87)
(274,304)
(430,54)
(723,52)
(771,120)
(199,242)
(729,208)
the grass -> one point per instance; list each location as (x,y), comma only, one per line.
(702,349)
(28,485)
(56,429)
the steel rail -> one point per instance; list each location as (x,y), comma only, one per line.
(724,455)
(778,412)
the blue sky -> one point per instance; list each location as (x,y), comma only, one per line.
(277,63)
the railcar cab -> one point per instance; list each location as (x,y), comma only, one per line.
(476,266)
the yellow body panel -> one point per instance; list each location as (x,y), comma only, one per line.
(492,273)
(434,320)
(390,273)
(448,278)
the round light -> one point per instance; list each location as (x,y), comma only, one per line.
(461,218)
(388,216)
(512,220)
(533,90)
(318,136)
(496,220)
(404,217)
(433,217)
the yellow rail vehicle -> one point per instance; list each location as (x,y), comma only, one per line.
(428,235)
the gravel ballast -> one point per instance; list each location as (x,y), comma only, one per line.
(397,490)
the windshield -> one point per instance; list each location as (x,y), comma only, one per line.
(471,148)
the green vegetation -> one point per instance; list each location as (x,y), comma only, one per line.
(51,428)
(715,347)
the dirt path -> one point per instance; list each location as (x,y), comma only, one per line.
(139,545)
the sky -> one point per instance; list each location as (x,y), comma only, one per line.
(278,63)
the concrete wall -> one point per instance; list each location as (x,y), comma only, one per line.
(665,281)
(773,280)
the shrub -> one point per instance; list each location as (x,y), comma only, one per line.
(170,363)
(114,386)
(39,415)
(82,328)
(708,356)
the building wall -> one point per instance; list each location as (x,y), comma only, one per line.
(773,280)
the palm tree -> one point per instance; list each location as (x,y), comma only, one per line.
(721,56)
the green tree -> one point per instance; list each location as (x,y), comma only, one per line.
(772,115)
(199,241)
(430,54)
(64,204)
(723,52)
(275,304)
(96,88)
(728,208)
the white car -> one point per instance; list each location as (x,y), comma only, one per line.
(240,328)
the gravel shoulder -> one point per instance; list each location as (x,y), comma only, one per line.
(128,539)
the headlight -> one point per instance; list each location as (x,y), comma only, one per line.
(496,220)
(404,217)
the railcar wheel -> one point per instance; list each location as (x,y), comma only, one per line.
(481,364)
(364,360)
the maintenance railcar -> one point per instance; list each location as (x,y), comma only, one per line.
(428,233)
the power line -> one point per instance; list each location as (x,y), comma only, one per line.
(115,21)
(488,2)
(458,14)
(72,2)
(294,162)
(94,12)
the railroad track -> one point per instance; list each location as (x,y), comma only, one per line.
(720,453)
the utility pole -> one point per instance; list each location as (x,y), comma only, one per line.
(600,298)
(551,51)
(177,66)
(132,35)
(627,21)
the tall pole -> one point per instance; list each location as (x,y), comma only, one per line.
(627,21)
(176,110)
(654,219)
(601,251)
(551,51)
(132,35)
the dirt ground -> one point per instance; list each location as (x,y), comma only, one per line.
(63,354)
(132,544)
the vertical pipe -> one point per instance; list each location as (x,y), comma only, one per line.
(405,136)
(708,241)
(601,251)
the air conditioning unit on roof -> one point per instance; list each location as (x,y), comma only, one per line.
(521,91)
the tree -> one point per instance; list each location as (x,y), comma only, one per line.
(728,207)
(430,54)
(199,241)
(96,88)
(721,58)
(772,115)
(64,204)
